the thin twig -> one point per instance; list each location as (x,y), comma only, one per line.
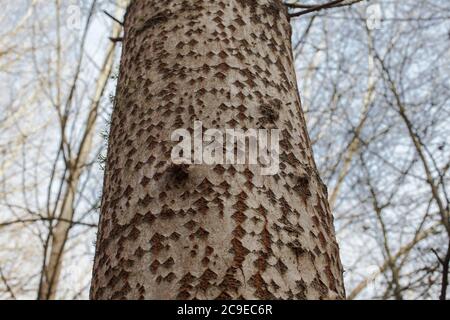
(113,18)
(313,8)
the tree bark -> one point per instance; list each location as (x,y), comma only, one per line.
(211,232)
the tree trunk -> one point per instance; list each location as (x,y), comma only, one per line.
(199,231)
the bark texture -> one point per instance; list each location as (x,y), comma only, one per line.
(208,232)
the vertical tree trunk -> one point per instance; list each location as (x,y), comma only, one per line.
(207,232)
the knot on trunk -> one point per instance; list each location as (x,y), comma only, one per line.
(178,174)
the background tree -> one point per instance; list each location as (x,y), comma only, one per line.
(50,150)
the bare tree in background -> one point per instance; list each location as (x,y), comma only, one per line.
(378,85)
(50,202)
